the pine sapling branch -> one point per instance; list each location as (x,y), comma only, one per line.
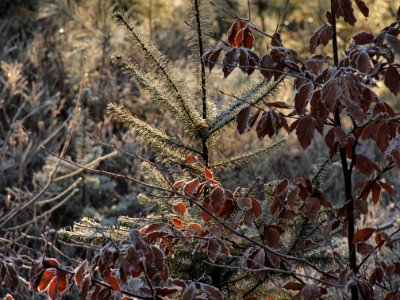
(202,78)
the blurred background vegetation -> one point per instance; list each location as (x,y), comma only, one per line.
(42,45)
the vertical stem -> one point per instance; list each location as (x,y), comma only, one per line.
(202,78)
(347,174)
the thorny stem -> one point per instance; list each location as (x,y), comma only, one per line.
(347,173)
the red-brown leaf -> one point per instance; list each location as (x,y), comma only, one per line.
(396,157)
(256,207)
(178,223)
(363,234)
(303,96)
(365,289)
(363,7)
(191,159)
(392,79)
(230,61)
(242,119)
(281,187)
(305,131)
(191,187)
(113,281)
(212,291)
(245,38)
(79,272)
(50,262)
(177,184)
(344,8)
(321,36)
(364,248)
(62,281)
(267,66)
(376,193)
(212,58)
(387,187)
(361,206)
(363,164)
(363,63)
(293,285)
(380,274)
(329,93)
(180,208)
(312,207)
(207,173)
(213,249)
(196,227)
(47,277)
(292,197)
(189,292)
(233,31)
(363,38)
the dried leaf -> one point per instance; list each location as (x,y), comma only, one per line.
(196,227)
(376,193)
(363,7)
(50,262)
(387,187)
(380,274)
(305,131)
(245,38)
(312,207)
(321,36)
(213,249)
(191,159)
(392,79)
(363,38)
(178,223)
(212,291)
(212,59)
(303,96)
(230,61)
(363,164)
(280,189)
(267,66)
(113,281)
(80,272)
(208,174)
(256,207)
(329,93)
(233,31)
(363,234)
(365,289)
(345,9)
(47,277)
(180,208)
(364,248)
(242,119)
(191,187)
(189,292)
(396,157)
(293,285)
